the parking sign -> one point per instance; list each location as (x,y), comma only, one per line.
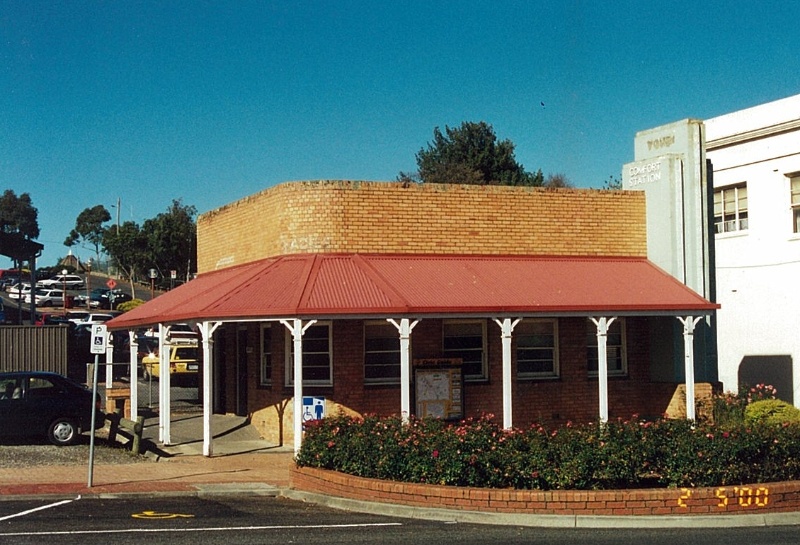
(99,339)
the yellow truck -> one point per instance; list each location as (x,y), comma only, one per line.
(184,360)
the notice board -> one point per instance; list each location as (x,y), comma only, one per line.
(439,392)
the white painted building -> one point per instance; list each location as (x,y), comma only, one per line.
(755,157)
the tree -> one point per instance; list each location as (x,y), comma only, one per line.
(167,242)
(612,183)
(89,228)
(127,246)
(555,181)
(172,240)
(470,154)
(18,226)
(18,215)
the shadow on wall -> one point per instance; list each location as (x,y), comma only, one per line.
(275,423)
(704,408)
(774,370)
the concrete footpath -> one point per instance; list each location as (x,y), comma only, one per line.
(241,462)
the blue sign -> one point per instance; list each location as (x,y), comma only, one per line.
(313,408)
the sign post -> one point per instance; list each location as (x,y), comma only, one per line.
(99,340)
(153,274)
(111,285)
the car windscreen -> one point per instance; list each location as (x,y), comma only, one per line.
(186,353)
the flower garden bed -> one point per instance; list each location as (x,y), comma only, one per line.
(748,461)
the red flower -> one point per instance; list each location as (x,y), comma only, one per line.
(435,453)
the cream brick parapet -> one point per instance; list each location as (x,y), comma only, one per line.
(391,217)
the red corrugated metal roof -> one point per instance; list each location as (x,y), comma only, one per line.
(332,285)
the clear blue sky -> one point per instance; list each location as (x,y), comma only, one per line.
(208,102)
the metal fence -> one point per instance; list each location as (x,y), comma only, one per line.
(34,348)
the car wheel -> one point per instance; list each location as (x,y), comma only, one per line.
(62,432)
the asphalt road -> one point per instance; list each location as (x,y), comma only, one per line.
(235,520)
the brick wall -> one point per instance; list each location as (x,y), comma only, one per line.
(743,499)
(386,217)
(571,397)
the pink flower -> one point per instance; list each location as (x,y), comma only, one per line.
(435,453)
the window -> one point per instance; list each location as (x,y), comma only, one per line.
(615,348)
(317,359)
(465,339)
(730,209)
(266,355)
(41,387)
(381,353)
(10,389)
(537,349)
(794,182)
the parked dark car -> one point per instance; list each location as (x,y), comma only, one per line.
(82,299)
(109,300)
(42,404)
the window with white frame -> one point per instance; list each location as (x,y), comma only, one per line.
(794,184)
(730,208)
(317,356)
(466,339)
(381,353)
(616,353)
(537,349)
(266,355)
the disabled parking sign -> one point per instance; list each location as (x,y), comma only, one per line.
(313,408)
(99,339)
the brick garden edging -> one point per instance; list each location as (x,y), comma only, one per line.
(751,499)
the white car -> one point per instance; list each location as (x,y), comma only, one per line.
(77,316)
(47,297)
(69,281)
(18,291)
(95,318)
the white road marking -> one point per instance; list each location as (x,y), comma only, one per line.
(29,511)
(184,530)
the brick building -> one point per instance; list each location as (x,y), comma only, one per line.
(544,301)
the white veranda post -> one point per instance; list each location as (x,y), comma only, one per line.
(688,360)
(164,400)
(602,324)
(297,328)
(207,332)
(109,360)
(506,329)
(134,374)
(404,328)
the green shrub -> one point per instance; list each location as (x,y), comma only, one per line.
(621,454)
(728,408)
(771,411)
(129,305)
